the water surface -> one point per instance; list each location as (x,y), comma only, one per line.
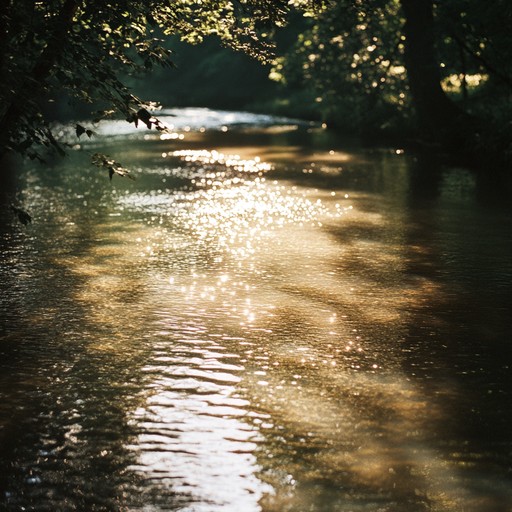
(268,318)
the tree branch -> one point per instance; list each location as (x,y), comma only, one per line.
(40,72)
(489,67)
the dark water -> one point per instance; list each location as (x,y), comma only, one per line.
(266,319)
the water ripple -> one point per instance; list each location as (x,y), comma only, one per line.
(192,434)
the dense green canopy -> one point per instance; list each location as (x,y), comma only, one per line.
(81,47)
(372,66)
(367,63)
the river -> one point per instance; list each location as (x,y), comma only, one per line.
(268,318)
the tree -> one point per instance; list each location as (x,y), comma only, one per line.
(434,110)
(350,59)
(367,64)
(80,48)
(376,63)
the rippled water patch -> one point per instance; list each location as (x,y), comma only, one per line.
(192,435)
(218,336)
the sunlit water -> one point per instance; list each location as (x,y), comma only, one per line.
(265,320)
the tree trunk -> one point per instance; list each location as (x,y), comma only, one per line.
(5,21)
(438,117)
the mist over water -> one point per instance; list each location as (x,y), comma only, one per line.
(267,319)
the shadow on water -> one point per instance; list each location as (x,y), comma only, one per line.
(446,273)
(457,299)
(328,335)
(68,372)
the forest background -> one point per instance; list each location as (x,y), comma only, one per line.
(415,72)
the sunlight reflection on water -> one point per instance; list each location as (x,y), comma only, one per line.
(232,337)
(193,439)
(257,252)
(232,212)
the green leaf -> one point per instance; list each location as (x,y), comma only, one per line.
(113,167)
(22,215)
(80,130)
(145,117)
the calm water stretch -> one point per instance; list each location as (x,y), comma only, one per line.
(266,319)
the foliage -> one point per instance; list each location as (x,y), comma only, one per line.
(347,63)
(351,57)
(235,80)
(80,48)
(474,37)
(111,165)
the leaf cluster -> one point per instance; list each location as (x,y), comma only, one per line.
(80,49)
(351,57)
(111,165)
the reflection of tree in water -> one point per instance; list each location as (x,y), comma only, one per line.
(462,333)
(70,365)
(405,422)
(356,351)
(455,345)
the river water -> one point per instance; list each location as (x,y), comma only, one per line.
(269,318)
